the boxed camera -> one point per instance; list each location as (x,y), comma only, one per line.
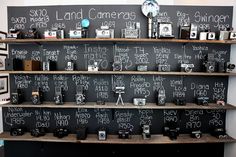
(104,32)
(17,97)
(165,30)
(163,67)
(196,134)
(224,35)
(139,101)
(15,34)
(146,133)
(14,64)
(102,134)
(32,34)
(202,100)
(37,132)
(31,65)
(184,32)
(193,31)
(186,67)
(232,35)
(37,96)
(131,32)
(93,67)
(211,36)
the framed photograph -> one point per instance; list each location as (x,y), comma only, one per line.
(3,84)
(2,61)
(3,35)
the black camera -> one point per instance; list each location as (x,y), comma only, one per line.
(81,133)
(17,131)
(146,132)
(132,31)
(70,66)
(211,36)
(161,97)
(15,34)
(203,100)
(163,67)
(49,65)
(184,32)
(37,132)
(171,132)
(210,64)
(32,34)
(37,96)
(180,101)
(59,96)
(186,67)
(219,133)
(196,134)
(17,97)
(14,64)
(123,134)
(102,134)
(229,67)
(80,96)
(221,66)
(61,132)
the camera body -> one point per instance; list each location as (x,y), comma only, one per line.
(196,134)
(104,32)
(81,133)
(37,96)
(202,101)
(180,101)
(17,97)
(161,97)
(229,67)
(210,66)
(93,67)
(193,31)
(123,134)
(49,65)
(70,66)
(186,67)
(32,34)
(232,35)
(165,30)
(139,101)
(50,34)
(211,36)
(37,132)
(102,134)
(61,132)
(131,31)
(219,133)
(171,132)
(59,96)
(17,131)
(14,64)
(163,67)
(184,32)
(15,34)
(224,35)
(79,33)
(142,67)
(80,96)
(117,64)
(146,132)
(203,35)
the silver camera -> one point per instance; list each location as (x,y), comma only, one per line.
(75,34)
(93,67)
(131,32)
(104,32)
(186,67)
(211,36)
(146,132)
(142,67)
(50,34)
(193,31)
(69,66)
(232,35)
(165,30)
(139,101)
(203,35)
(163,67)
(230,67)
(102,134)
(224,35)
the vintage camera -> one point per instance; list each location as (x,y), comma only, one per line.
(93,67)
(184,32)
(196,134)
(100,102)
(14,64)
(50,34)
(117,64)
(17,131)
(61,132)
(76,34)
(102,134)
(224,35)
(60,33)
(232,35)
(165,30)
(104,32)
(32,34)
(142,67)
(15,34)
(211,36)
(161,97)
(146,132)
(180,101)
(37,96)
(221,66)
(123,134)
(131,31)
(31,65)
(171,132)
(49,65)
(59,96)
(163,67)
(229,67)
(81,133)
(203,35)
(220,102)
(186,67)
(80,96)
(202,100)
(219,133)
(70,66)
(17,97)
(37,132)
(139,101)
(193,31)
(209,66)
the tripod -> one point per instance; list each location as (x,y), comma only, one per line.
(119,99)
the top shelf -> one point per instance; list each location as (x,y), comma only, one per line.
(118,40)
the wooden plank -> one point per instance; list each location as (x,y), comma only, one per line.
(111,105)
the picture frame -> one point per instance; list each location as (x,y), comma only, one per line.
(2,61)
(3,84)
(3,46)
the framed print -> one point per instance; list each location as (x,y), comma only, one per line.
(2,61)
(3,35)
(3,84)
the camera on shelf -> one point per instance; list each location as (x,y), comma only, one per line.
(196,134)
(132,31)
(184,32)
(70,66)
(186,67)
(80,96)
(232,35)
(210,64)
(165,30)
(17,97)
(161,97)
(117,64)
(224,35)
(123,134)
(180,101)
(229,67)
(163,67)
(202,100)
(93,67)
(171,131)
(211,36)
(61,132)
(193,31)
(17,131)
(104,32)
(102,134)
(219,133)
(203,35)
(49,65)
(142,67)
(81,133)
(59,96)
(80,32)
(221,66)
(139,101)
(60,33)
(50,34)
(37,96)
(37,132)
(32,34)
(15,34)
(14,64)
(146,132)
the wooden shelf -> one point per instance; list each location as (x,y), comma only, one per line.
(120,73)
(109,105)
(113,139)
(12,41)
